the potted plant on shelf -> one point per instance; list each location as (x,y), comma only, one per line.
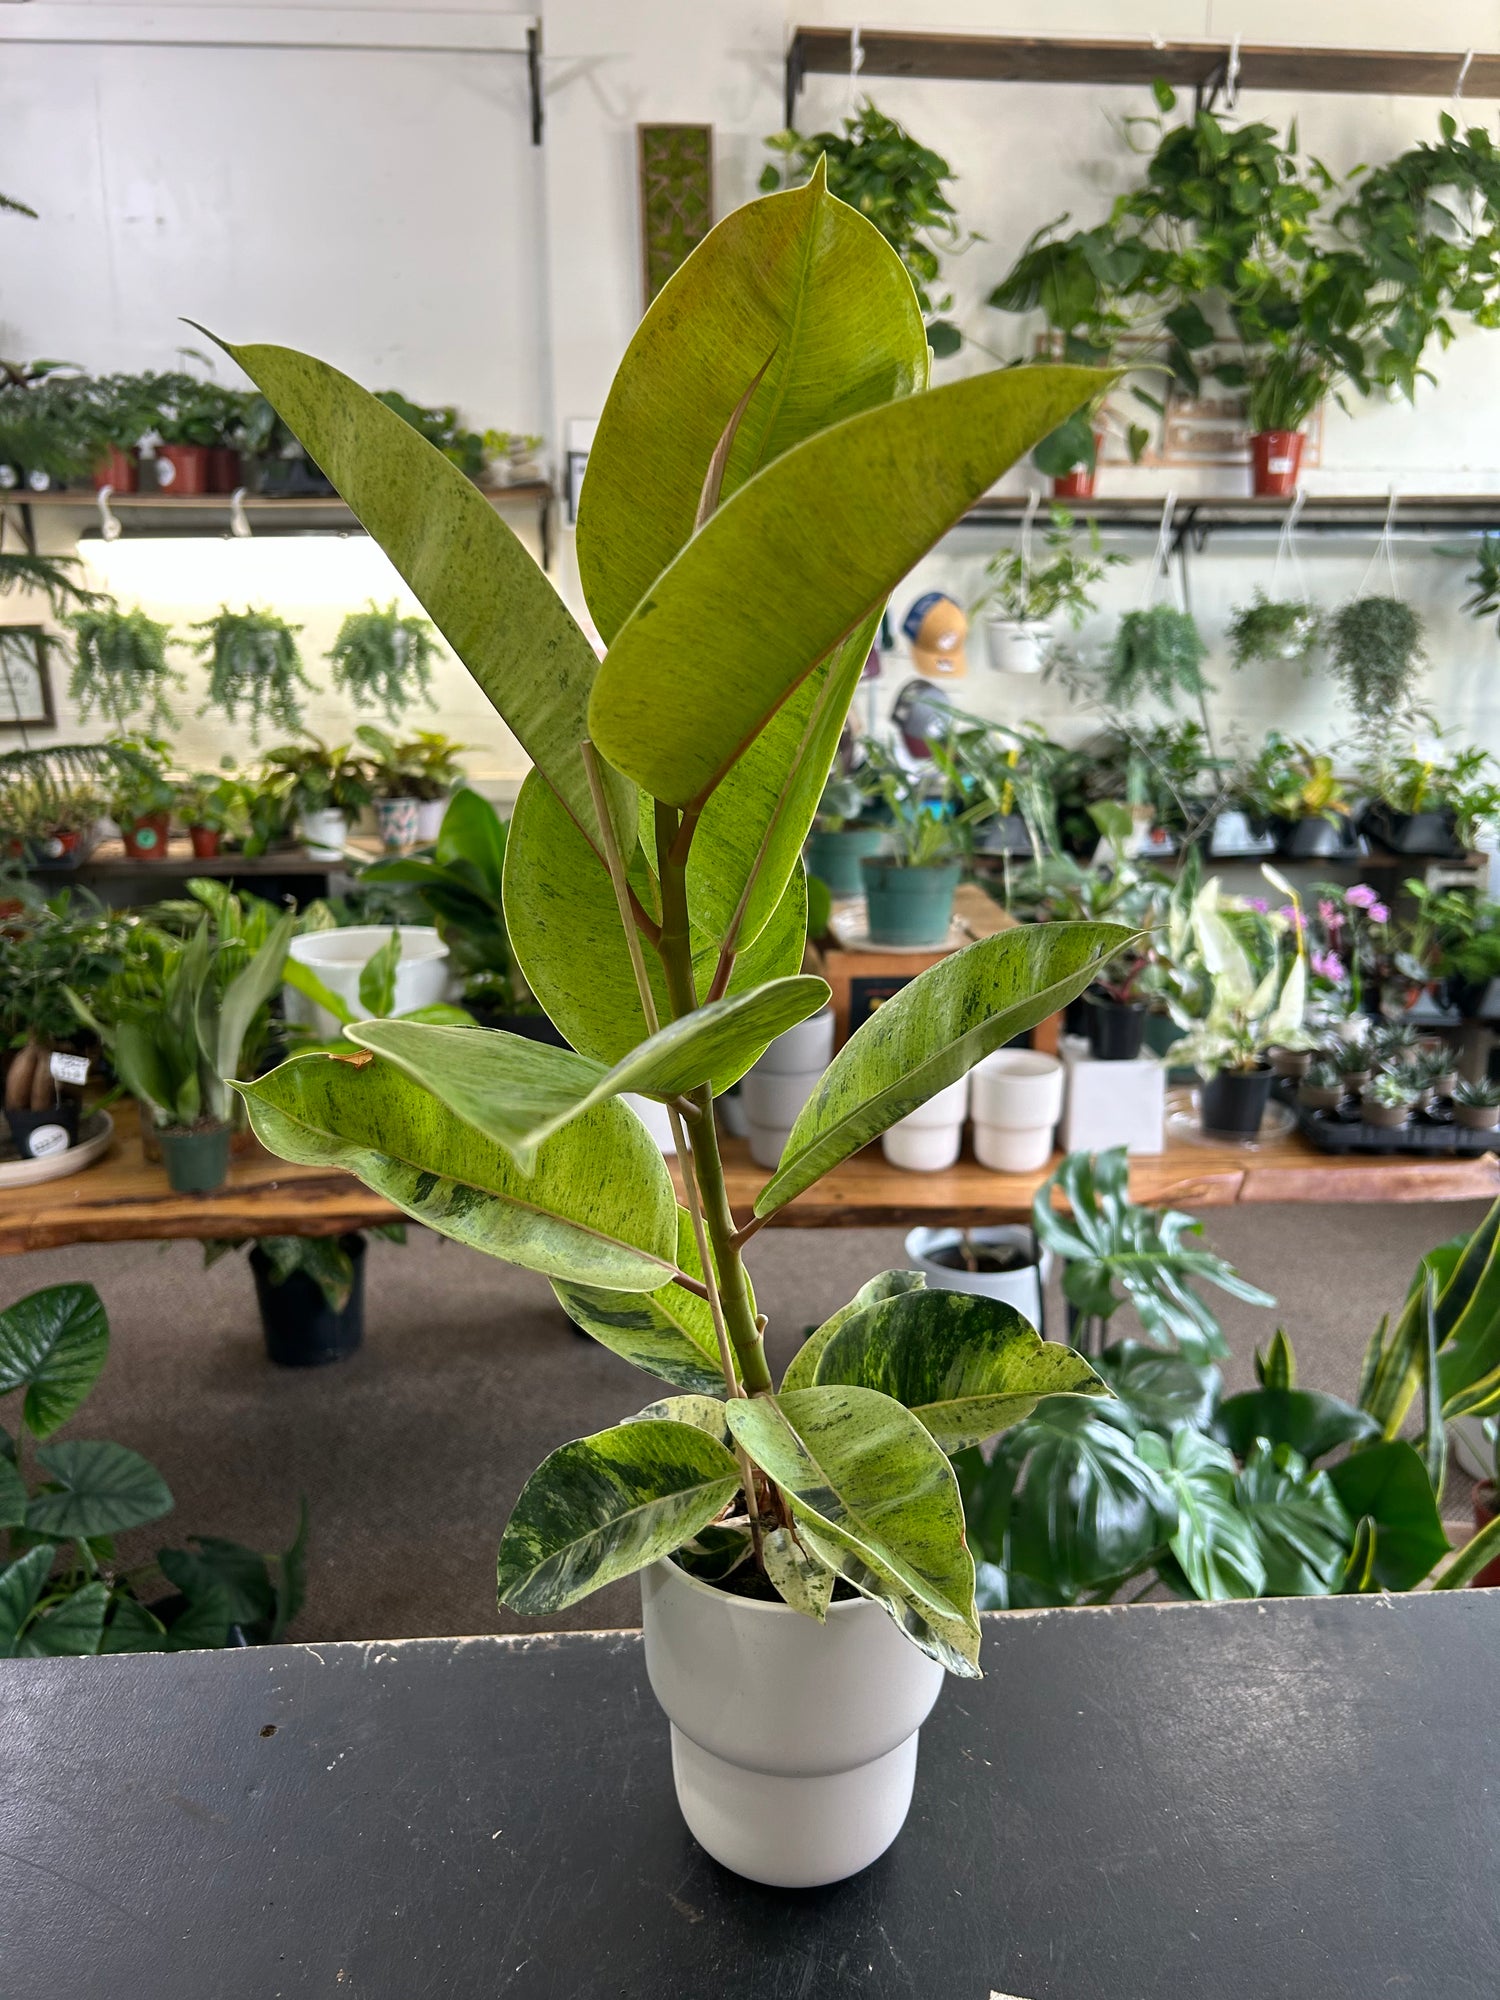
(1238,998)
(394,775)
(120,667)
(433,773)
(1422,805)
(310,1292)
(1293,791)
(123,409)
(1476,1105)
(384,661)
(141,799)
(201,425)
(909,892)
(670,962)
(1388,1099)
(212,806)
(67,941)
(1269,631)
(253,663)
(1019,598)
(323,787)
(843,833)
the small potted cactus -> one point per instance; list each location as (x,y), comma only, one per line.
(1321,1089)
(1351,1061)
(1477,1105)
(1389,1100)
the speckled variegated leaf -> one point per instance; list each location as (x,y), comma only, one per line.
(800,1578)
(704,1413)
(519,1092)
(965,1366)
(869,1482)
(716,1551)
(668,1333)
(801,1370)
(606,1506)
(599,1207)
(933,1032)
(952,1642)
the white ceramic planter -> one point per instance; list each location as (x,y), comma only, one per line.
(794,1744)
(325,835)
(1021,1289)
(1017,1097)
(775,1089)
(806,1048)
(429,820)
(929,1138)
(655,1117)
(339,957)
(1017,646)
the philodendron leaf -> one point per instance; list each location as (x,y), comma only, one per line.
(801,286)
(519,1092)
(1301,1529)
(965,1366)
(1311,1423)
(878,1502)
(20,1587)
(477,582)
(53,1344)
(668,1333)
(796,561)
(716,1551)
(599,1207)
(933,1032)
(1388,1483)
(1162,1388)
(99,1489)
(802,1369)
(607,1506)
(799,1578)
(71,1629)
(1214,1544)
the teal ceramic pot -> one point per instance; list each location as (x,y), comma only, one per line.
(835,857)
(910,905)
(196,1161)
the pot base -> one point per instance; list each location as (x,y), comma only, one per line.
(793,1833)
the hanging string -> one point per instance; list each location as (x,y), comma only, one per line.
(1033,501)
(856,64)
(1463,71)
(1286,548)
(1232,77)
(1161,561)
(1386,546)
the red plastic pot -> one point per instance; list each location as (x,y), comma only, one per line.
(1079,483)
(223,469)
(205,841)
(119,470)
(146,839)
(182,468)
(1484,1513)
(1275,463)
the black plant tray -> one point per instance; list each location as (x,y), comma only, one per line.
(1344,1131)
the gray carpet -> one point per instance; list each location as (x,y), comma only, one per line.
(411,1452)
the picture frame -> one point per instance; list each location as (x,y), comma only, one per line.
(26,700)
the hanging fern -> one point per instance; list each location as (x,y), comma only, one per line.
(253,664)
(1271,629)
(120,667)
(384,661)
(54,576)
(1157,652)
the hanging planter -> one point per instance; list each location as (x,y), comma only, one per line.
(1270,631)
(120,667)
(1021,596)
(383,661)
(253,666)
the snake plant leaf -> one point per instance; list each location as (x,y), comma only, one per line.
(599,1207)
(608,1505)
(799,1577)
(802,1368)
(865,1478)
(933,1032)
(759,596)
(71,1630)
(1311,1423)
(95,1489)
(53,1344)
(800,286)
(1214,1544)
(1358,1578)
(519,1092)
(565,931)
(668,1333)
(704,1413)
(1389,1483)
(965,1366)
(477,582)
(1474,1556)
(1467,1314)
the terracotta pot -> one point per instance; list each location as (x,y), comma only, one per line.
(205,841)
(1275,463)
(119,470)
(147,839)
(182,468)
(1484,1513)
(223,469)
(1079,483)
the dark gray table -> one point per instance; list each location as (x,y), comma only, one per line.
(1236,1802)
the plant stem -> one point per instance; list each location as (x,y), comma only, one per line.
(734,1291)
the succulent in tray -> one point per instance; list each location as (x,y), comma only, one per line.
(1477,1105)
(1391,1041)
(1352,1062)
(1321,1088)
(1389,1100)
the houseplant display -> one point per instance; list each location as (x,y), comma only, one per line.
(310,1291)
(442,427)
(1157,653)
(141,799)
(1375,655)
(1268,631)
(909,891)
(122,408)
(1424,805)
(384,661)
(212,806)
(1019,597)
(670,963)
(1239,993)
(254,665)
(201,426)
(63,1589)
(394,776)
(1295,793)
(65,941)
(324,787)
(120,667)
(434,773)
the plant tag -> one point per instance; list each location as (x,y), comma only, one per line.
(69,1069)
(46,1140)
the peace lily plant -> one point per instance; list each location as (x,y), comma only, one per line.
(769,465)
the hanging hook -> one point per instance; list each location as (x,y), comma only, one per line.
(239,520)
(856,64)
(1463,71)
(1033,501)
(1232,77)
(109,526)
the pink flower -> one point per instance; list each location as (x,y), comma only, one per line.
(1259,904)
(1328,911)
(1363,897)
(1379,914)
(1291,914)
(1328,965)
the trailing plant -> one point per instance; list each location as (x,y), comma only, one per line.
(254,664)
(120,667)
(1065,582)
(1158,652)
(1270,630)
(63,1502)
(656,905)
(1375,654)
(382,660)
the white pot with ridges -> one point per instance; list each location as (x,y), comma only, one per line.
(1018,1095)
(939,1254)
(929,1138)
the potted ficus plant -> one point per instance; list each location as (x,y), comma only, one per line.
(384,661)
(1020,598)
(773,1525)
(253,664)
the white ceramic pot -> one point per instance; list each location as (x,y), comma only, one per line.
(929,1138)
(429,820)
(794,1744)
(339,957)
(1021,1288)
(805,1049)
(1017,1096)
(325,835)
(1017,645)
(655,1117)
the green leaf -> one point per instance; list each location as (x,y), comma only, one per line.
(202,1625)
(716,1551)
(1389,1483)
(965,1366)
(377,978)
(133,1629)
(755,600)
(1312,1424)
(933,1032)
(291,1577)
(1163,1389)
(1214,1544)
(476,581)
(1301,1529)
(519,1092)
(599,1207)
(668,1333)
(12,1495)
(802,1369)
(880,1503)
(247,993)
(799,1578)
(704,1413)
(215,1569)
(1279,1368)
(1475,1555)
(1468,1316)
(607,1506)
(20,1587)
(1359,1570)
(800,285)
(70,1629)
(99,1489)
(53,1344)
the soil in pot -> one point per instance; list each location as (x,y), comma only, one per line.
(835,857)
(1275,461)
(1232,1102)
(196,1158)
(301,1329)
(1116,1029)
(148,839)
(1484,1513)
(982,1259)
(910,905)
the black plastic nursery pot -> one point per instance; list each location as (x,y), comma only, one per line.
(1411,833)
(301,1329)
(1115,1028)
(1314,839)
(1232,1102)
(39,1134)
